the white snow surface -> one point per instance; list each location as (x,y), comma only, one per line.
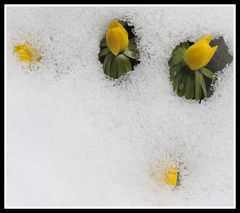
(76,138)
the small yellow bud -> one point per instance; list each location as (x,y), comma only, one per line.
(27,53)
(166,173)
(171,175)
(199,54)
(116,37)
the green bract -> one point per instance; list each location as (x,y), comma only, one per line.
(188,83)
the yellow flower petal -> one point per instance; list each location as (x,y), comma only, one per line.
(199,54)
(117,38)
(206,39)
(123,42)
(117,24)
(113,41)
(213,50)
(171,175)
(26,53)
(166,173)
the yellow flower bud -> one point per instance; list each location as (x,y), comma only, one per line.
(26,53)
(171,175)
(117,38)
(199,54)
(166,173)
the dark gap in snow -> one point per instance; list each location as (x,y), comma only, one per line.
(218,62)
(130,30)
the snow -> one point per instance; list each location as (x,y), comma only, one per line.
(76,138)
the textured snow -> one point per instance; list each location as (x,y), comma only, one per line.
(75,138)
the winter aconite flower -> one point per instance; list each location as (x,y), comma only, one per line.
(166,173)
(27,53)
(116,37)
(171,175)
(118,49)
(199,54)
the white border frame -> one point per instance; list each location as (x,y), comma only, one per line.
(119,5)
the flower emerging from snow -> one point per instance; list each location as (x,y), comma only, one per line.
(171,175)
(27,53)
(167,173)
(199,54)
(116,37)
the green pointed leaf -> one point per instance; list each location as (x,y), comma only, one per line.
(182,85)
(107,64)
(176,81)
(103,52)
(208,73)
(189,92)
(121,67)
(202,82)
(198,88)
(174,70)
(128,65)
(177,53)
(108,67)
(114,68)
(180,93)
(131,53)
(177,56)
(126,62)
(103,43)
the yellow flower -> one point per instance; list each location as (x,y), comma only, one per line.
(26,53)
(166,173)
(199,54)
(171,175)
(117,38)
